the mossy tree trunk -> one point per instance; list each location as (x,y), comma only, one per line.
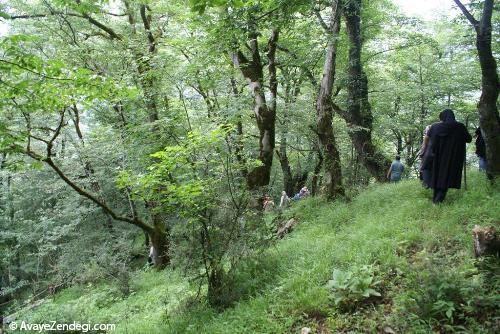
(359,116)
(324,111)
(265,113)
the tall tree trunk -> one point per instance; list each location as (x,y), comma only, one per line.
(88,167)
(158,235)
(282,152)
(6,204)
(285,167)
(147,76)
(324,111)
(316,181)
(488,111)
(239,147)
(265,114)
(399,141)
(359,115)
(489,120)
(423,103)
(291,182)
(160,242)
(145,70)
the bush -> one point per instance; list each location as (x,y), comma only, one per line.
(351,287)
(448,299)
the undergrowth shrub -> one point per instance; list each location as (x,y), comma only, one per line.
(448,298)
(351,287)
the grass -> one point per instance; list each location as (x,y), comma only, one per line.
(421,254)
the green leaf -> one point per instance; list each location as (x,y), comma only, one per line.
(4,15)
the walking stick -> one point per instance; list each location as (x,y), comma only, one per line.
(465,154)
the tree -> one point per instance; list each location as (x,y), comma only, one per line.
(265,113)
(141,55)
(196,181)
(359,116)
(324,110)
(489,119)
(36,135)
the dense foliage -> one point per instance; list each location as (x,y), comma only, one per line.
(136,127)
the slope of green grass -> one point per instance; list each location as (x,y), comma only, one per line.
(420,255)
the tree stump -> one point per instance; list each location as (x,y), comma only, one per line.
(286,228)
(485,241)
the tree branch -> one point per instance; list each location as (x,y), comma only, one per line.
(321,20)
(399,47)
(48,160)
(266,14)
(101,26)
(113,14)
(468,15)
(37,138)
(107,209)
(247,68)
(93,21)
(87,195)
(29,16)
(338,110)
(306,70)
(50,144)
(34,72)
(76,122)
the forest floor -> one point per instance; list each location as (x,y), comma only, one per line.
(389,239)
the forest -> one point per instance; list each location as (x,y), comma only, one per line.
(231,166)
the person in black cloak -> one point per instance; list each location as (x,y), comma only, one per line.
(481,150)
(446,153)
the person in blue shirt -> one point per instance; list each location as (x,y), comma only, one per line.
(396,170)
(303,193)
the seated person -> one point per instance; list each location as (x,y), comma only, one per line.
(303,193)
(268,203)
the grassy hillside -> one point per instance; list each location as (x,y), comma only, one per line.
(390,238)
